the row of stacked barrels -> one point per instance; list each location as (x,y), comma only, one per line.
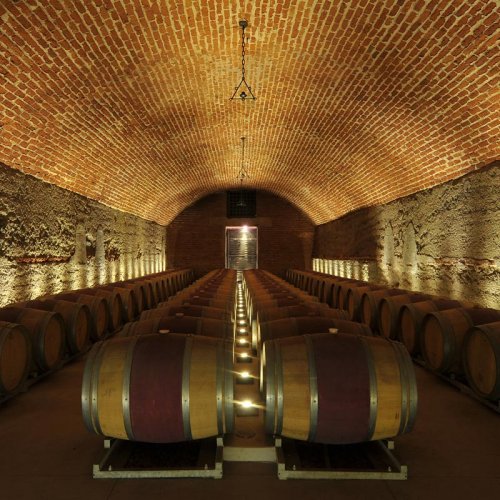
(324,377)
(37,336)
(167,377)
(452,337)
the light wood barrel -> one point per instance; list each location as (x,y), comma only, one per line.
(481,359)
(159,388)
(411,318)
(443,334)
(338,389)
(15,357)
(78,323)
(46,331)
(388,312)
(207,327)
(98,308)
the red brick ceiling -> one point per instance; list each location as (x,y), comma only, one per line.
(358,102)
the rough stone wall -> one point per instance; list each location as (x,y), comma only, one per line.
(53,240)
(196,237)
(445,240)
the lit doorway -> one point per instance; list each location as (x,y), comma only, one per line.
(241,247)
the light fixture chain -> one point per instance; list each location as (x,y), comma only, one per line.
(243,53)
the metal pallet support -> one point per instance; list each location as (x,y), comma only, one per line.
(104,470)
(463,388)
(395,471)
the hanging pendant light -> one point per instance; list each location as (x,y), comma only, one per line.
(243,174)
(243,90)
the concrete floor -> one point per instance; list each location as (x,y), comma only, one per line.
(46,453)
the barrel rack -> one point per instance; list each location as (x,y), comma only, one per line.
(461,386)
(294,460)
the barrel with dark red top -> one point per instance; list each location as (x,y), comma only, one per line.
(338,389)
(158,388)
(443,334)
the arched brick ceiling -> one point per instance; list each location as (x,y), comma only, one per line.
(358,102)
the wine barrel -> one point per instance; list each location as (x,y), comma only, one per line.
(388,312)
(158,388)
(370,301)
(129,300)
(342,288)
(353,299)
(481,359)
(139,301)
(338,389)
(15,357)
(115,304)
(443,333)
(279,328)
(195,311)
(207,327)
(266,315)
(78,323)
(98,308)
(46,331)
(411,318)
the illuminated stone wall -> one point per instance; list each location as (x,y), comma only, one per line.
(445,241)
(53,240)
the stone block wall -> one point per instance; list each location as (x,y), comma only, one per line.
(444,240)
(53,240)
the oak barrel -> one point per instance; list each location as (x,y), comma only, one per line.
(98,308)
(15,357)
(78,323)
(46,331)
(302,325)
(158,388)
(180,324)
(370,301)
(481,359)
(388,312)
(114,300)
(443,334)
(411,318)
(338,389)
(187,310)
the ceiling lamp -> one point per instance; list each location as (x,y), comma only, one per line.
(242,174)
(243,90)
